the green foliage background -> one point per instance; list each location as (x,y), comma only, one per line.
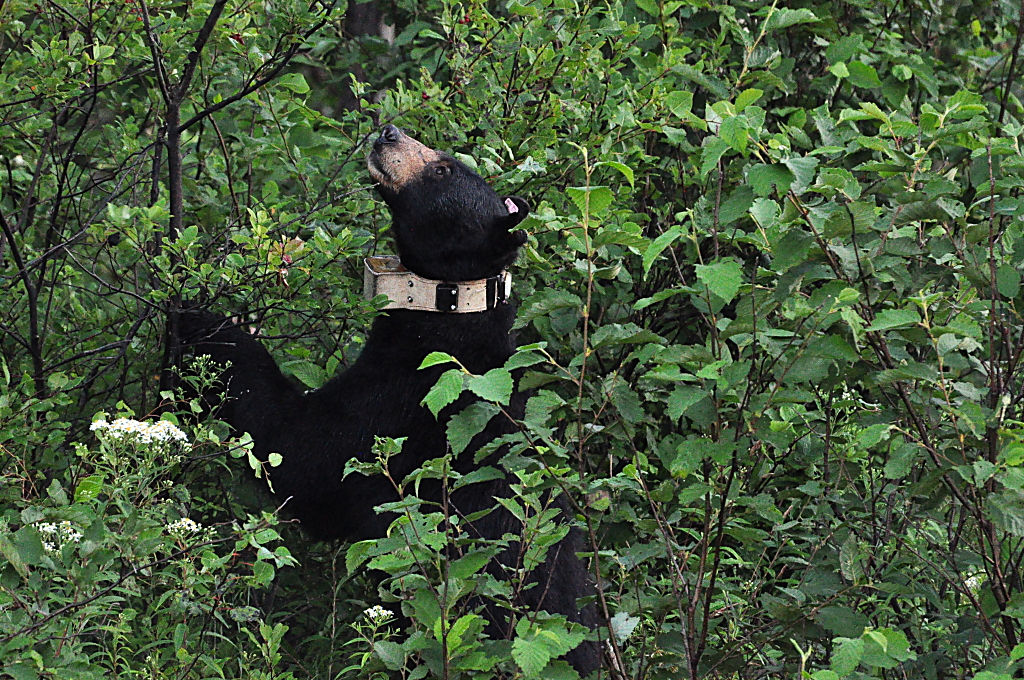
(772,293)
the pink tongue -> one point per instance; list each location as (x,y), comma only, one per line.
(511,205)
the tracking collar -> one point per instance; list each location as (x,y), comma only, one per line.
(385,275)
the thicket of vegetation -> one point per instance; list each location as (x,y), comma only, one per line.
(772,296)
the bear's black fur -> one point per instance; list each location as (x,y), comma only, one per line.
(449,225)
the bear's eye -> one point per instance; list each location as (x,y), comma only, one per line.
(442,170)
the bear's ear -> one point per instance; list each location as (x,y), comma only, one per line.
(517,208)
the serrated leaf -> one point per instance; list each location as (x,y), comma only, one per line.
(626,171)
(446,390)
(626,402)
(594,198)
(713,151)
(435,358)
(747,97)
(735,132)
(784,18)
(682,398)
(863,75)
(658,245)
(763,177)
(532,655)
(391,653)
(311,375)
(623,625)
(846,657)
(262,573)
(722,278)
(894,318)
(1008,281)
(679,103)
(494,385)
(849,560)
(358,553)
(466,566)
(803,170)
(468,423)
(89,488)
(843,621)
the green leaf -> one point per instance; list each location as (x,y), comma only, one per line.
(839,70)
(846,657)
(626,171)
(466,566)
(747,97)
(714,148)
(764,177)
(532,655)
(21,671)
(494,385)
(863,75)
(626,402)
(722,278)
(679,102)
(843,621)
(803,170)
(294,82)
(56,492)
(29,545)
(658,245)
(446,390)
(596,198)
(784,18)
(89,488)
(543,303)
(435,358)
(1008,281)
(895,318)
(358,553)
(682,398)
(391,653)
(101,52)
(468,423)
(262,573)
(623,625)
(310,374)
(850,560)
(734,132)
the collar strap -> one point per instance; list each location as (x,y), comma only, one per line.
(385,275)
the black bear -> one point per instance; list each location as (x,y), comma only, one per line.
(449,227)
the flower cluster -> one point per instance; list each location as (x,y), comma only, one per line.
(376,613)
(184,527)
(60,534)
(160,431)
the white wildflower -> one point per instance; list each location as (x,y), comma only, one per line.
(377,613)
(59,534)
(160,431)
(184,526)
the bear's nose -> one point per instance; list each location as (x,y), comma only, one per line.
(389,134)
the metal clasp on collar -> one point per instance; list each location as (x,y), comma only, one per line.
(447,297)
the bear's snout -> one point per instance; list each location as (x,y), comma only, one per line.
(397,159)
(389,134)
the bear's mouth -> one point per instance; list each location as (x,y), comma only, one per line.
(397,159)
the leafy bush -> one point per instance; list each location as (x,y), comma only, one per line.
(771,297)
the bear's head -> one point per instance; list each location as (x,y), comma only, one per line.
(448,223)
